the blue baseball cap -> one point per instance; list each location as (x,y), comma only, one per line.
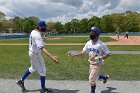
(96,30)
(42,23)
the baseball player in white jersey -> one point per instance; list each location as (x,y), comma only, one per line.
(97,51)
(36,47)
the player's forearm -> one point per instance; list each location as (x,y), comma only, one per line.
(105,56)
(54,58)
(46,52)
(80,54)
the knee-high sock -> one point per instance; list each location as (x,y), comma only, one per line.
(25,75)
(93,89)
(42,79)
(102,77)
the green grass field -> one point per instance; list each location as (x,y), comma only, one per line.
(19,40)
(125,47)
(14,61)
(56,40)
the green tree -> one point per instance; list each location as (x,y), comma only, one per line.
(84,25)
(26,25)
(59,27)
(2,18)
(75,27)
(132,21)
(67,27)
(33,22)
(50,26)
(106,24)
(118,22)
(17,24)
(94,21)
(7,24)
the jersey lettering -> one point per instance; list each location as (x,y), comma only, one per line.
(93,50)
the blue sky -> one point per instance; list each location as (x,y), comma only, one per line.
(65,10)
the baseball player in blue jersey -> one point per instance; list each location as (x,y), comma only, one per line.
(97,51)
(36,47)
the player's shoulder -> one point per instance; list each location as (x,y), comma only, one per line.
(89,42)
(35,33)
(101,42)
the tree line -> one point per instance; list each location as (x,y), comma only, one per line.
(121,22)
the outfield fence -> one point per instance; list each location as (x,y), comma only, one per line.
(22,35)
(13,35)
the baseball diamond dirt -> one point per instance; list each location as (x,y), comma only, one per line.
(132,40)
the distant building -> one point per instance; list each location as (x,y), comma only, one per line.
(54,31)
(8,30)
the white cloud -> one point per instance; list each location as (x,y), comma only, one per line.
(65,10)
(133,5)
(76,3)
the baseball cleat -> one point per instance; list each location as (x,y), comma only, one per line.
(106,78)
(21,84)
(45,90)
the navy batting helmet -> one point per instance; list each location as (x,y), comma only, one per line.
(96,30)
(41,23)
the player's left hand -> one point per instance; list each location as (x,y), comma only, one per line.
(55,59)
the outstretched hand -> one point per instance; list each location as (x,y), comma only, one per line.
(72,54)
(55,59)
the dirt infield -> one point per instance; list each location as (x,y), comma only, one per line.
(132,40)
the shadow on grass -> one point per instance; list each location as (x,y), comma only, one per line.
(53,91)
(109,90)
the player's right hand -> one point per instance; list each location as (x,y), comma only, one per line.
(99,58)
(55,59)
(72,54)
